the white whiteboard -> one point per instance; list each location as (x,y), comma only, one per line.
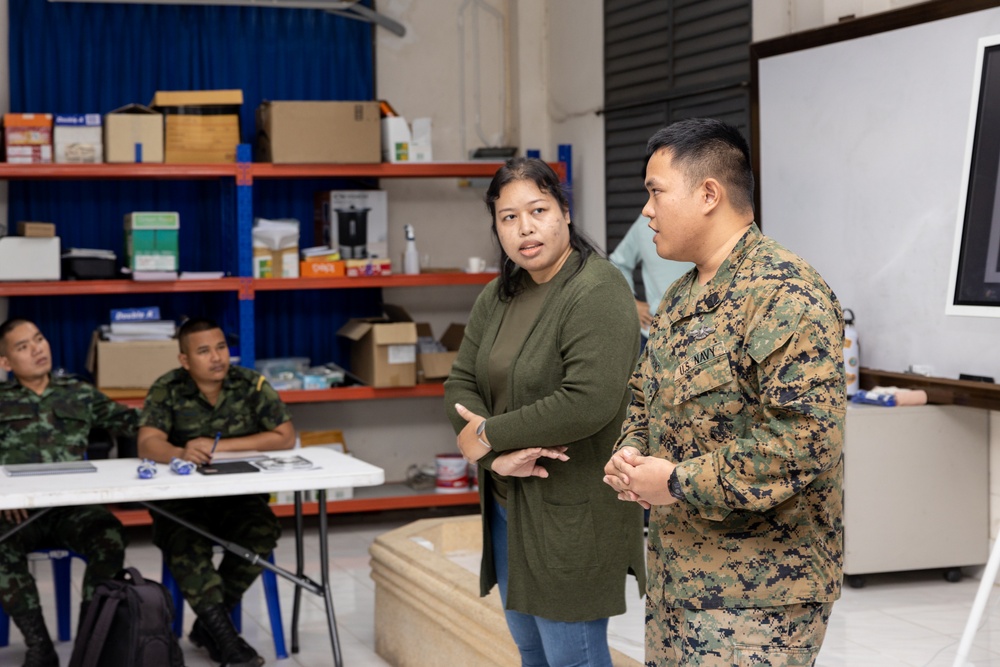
(862,145)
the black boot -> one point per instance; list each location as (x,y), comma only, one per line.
(200,637)
(214,630)
(41,652)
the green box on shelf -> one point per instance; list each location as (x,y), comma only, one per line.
(151,241)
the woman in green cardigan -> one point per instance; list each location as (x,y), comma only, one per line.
(537,397)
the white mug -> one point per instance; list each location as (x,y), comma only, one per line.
(476,265)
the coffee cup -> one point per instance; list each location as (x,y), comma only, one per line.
(476,265)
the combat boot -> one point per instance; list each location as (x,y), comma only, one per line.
(200,637)
(214,629)
(41,652)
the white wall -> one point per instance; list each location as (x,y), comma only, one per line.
(775,18)
(543,63)
(877,207)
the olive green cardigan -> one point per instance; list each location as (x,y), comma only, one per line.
(571,542)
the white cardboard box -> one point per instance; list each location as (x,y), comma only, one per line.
(345,210)
(29,258)
(400,144)
(78,138)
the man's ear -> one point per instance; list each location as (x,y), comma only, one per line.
(183,359)
(5,364)
(711,194)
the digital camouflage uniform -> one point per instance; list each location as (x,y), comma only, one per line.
(744,389)
(49,428)
(247,405)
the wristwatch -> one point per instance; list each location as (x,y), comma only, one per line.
(674,486)
(479,434)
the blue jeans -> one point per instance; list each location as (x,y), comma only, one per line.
(541,642)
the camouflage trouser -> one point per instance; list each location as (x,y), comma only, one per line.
(788,636)
(90,530)
(246,520)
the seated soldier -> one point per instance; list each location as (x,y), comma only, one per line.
(46,419)
(204,404)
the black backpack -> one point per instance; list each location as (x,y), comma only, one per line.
(128,624)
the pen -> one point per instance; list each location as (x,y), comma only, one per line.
(218,435)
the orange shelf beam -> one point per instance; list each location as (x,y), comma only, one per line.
(395,280)
(162,171)
(134,398)
(141,517)
(377,504)
(84,287)
(360,393)
(158,171)
(378,170)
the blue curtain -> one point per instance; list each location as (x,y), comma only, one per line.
(86,58)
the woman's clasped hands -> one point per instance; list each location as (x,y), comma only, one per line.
(474,444)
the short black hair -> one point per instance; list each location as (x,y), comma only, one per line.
(193,326)
(708,148)
(547,181)
(6,328)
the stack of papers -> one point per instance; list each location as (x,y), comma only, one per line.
(128,324)
(96,253)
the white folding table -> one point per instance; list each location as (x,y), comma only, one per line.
(116,481)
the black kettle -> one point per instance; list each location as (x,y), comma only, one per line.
(352,232)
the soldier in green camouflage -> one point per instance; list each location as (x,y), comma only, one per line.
(188,411)
(735,430)
(46,419)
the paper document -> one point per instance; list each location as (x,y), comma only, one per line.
(284,463)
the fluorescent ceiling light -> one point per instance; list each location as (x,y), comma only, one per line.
(347,8)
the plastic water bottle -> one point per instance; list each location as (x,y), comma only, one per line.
(411,258)
(146,469)
(852,356)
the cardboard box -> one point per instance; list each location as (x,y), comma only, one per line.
(420,141)
(400,144)
(200,125)
(318,132)
(132,365)
(383,352)
(353,222)
(436,366)
(133,133)
(363,268)
(269,263)
(24,258)
(275,248)
(41,230)
(315,269)
(333,438)
(151,241)
(395,140)
(28,137)
(78,138)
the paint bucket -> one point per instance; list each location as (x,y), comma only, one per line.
(451,473)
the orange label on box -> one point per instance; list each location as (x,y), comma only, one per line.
(322,269)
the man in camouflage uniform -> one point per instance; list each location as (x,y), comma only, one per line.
(186,412)
(45,419)
(734,434)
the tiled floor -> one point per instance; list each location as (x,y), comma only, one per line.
(898,620)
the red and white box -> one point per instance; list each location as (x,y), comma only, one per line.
(28,137)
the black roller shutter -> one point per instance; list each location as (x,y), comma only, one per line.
(665,60)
